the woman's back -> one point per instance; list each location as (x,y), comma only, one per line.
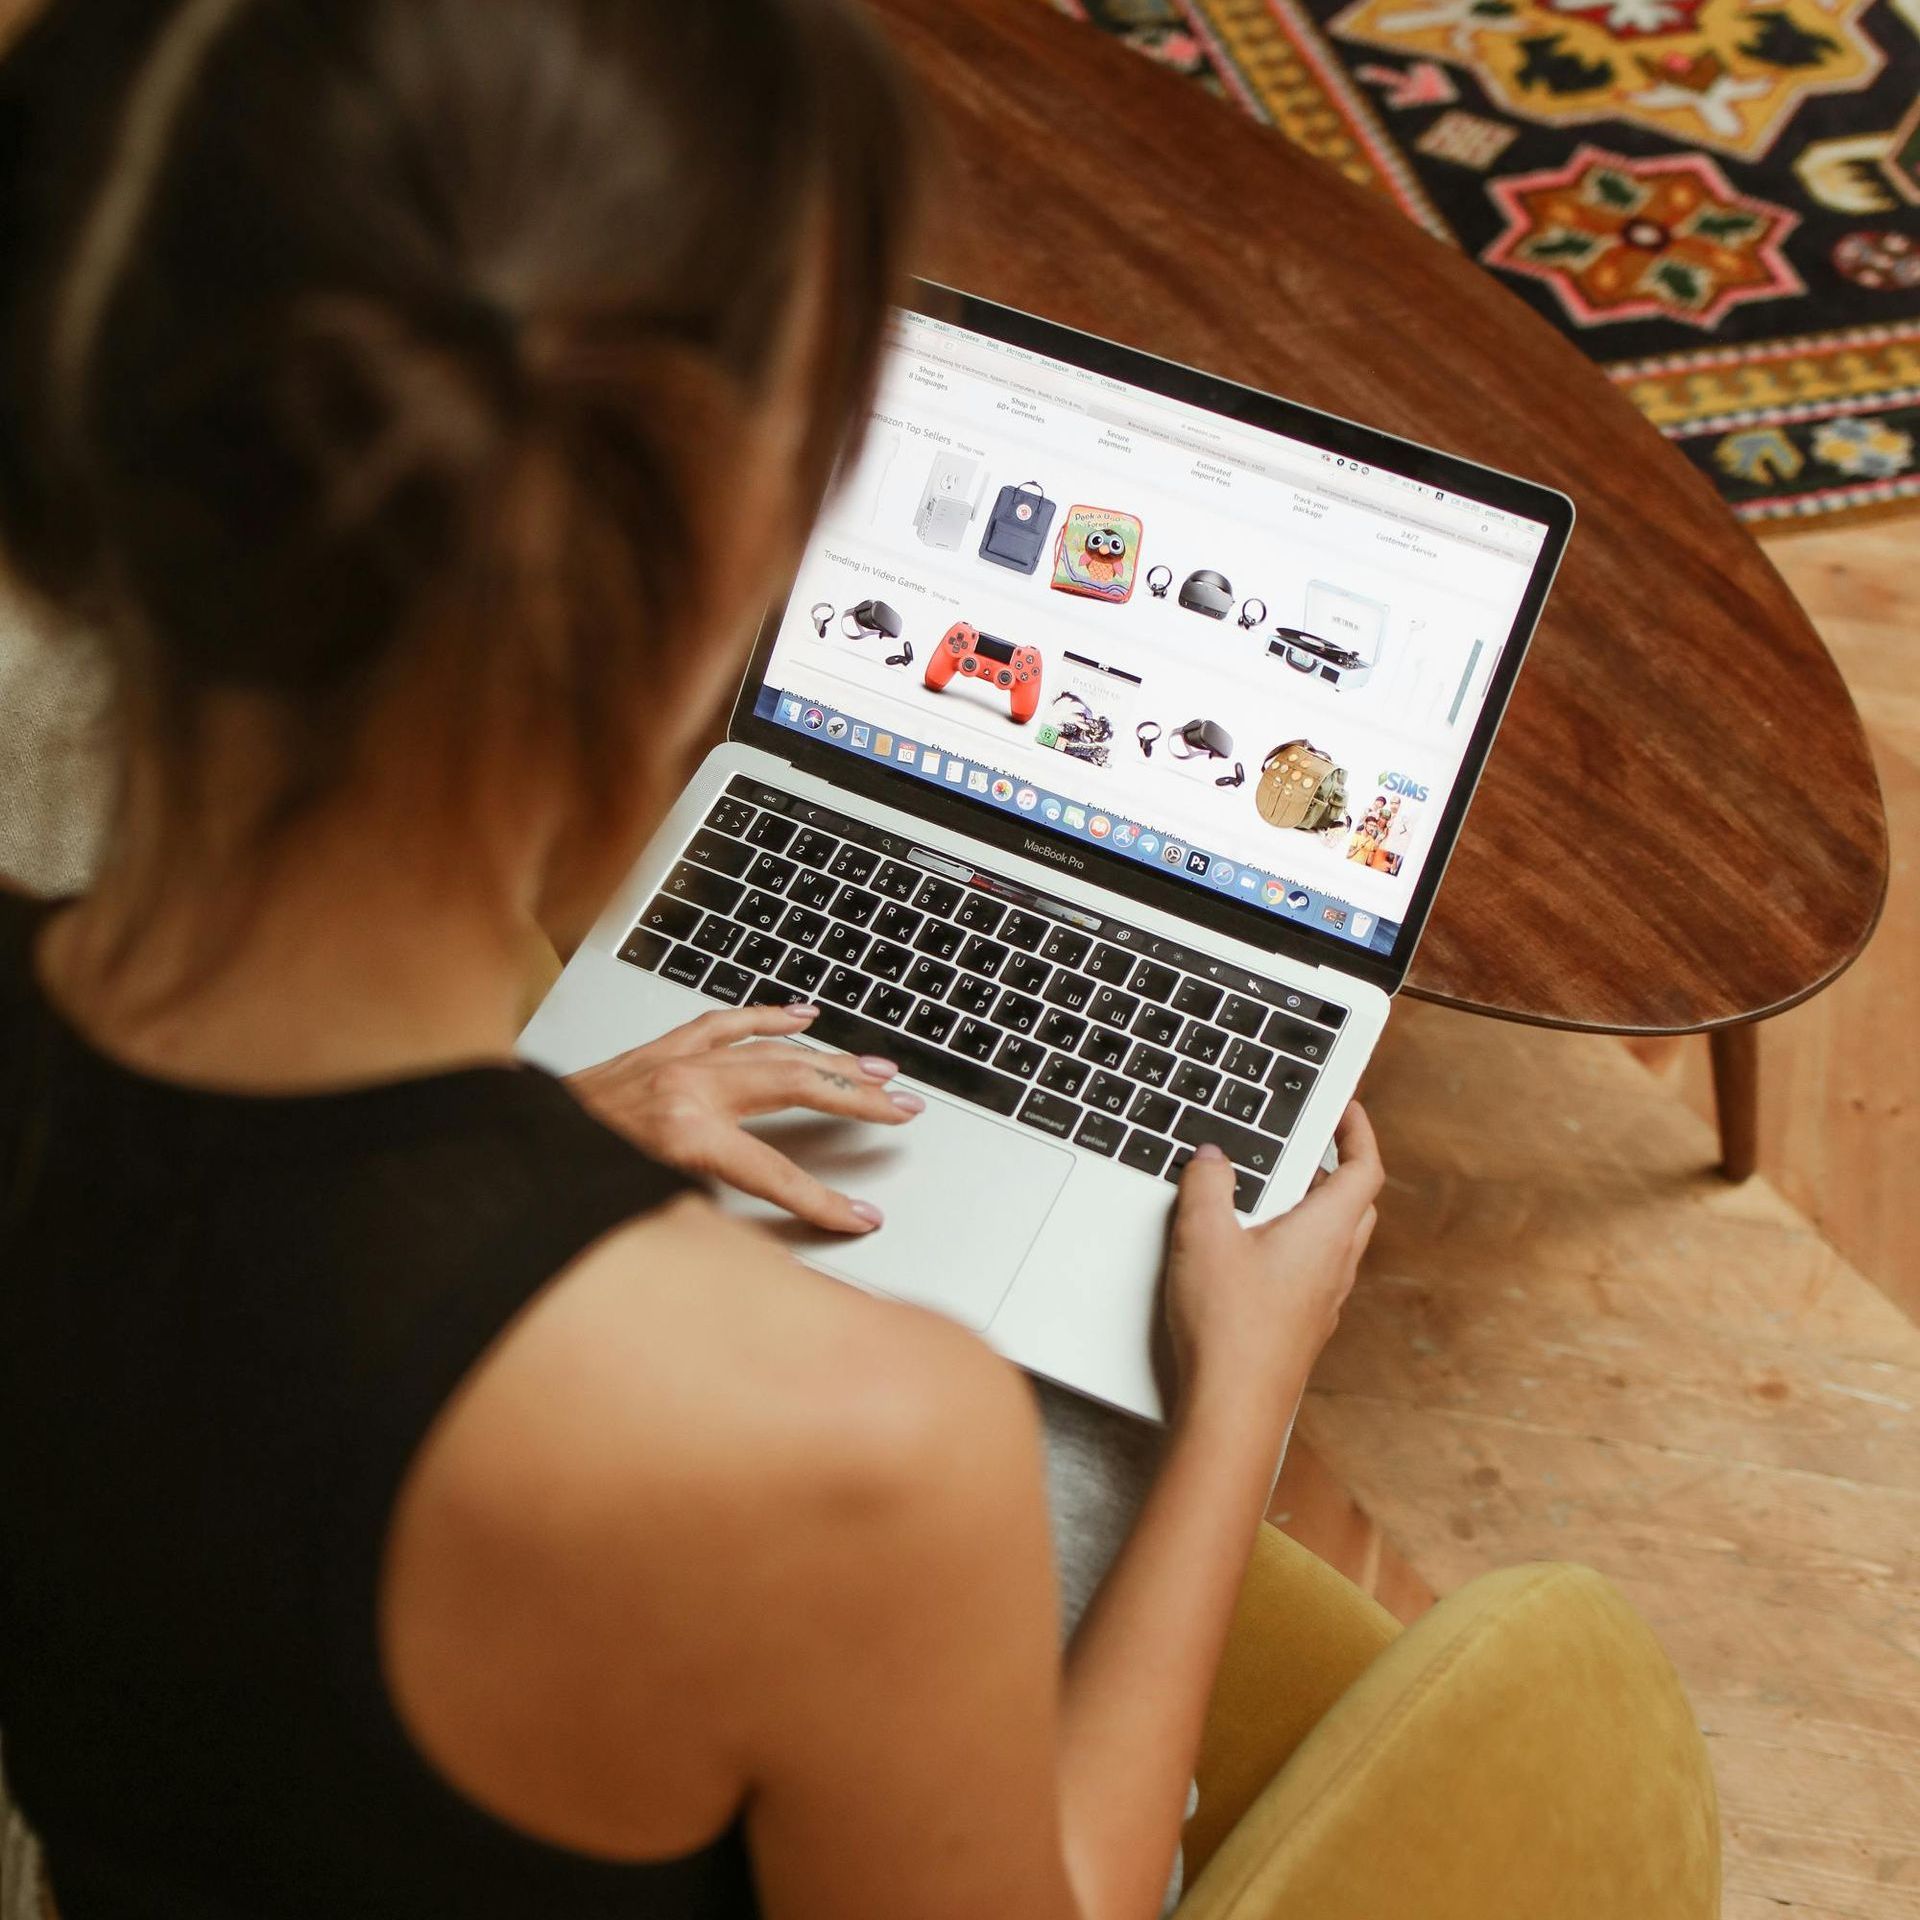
(226,1325)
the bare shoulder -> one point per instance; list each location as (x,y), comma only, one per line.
(613,1519)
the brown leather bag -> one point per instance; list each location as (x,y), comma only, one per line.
(1302,787)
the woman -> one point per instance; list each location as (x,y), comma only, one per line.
(415,1496)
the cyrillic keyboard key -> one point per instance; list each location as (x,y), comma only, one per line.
(728,983)
(644,949)
(770,872)
(931,1021)
(685,967)
(802,971)
(853,863)
(1019,1056)
(1016,1011)
(1198,1084)
(971,994)
(1065,1075)
(1149,1066)
(929,977)
(885,961)
(1245,1061)
(1109,1093)
(1257,1152)
(716,851)
(895,922)
(855,905)
(1101,1133)
(1112,1008)
(982,956)
(975,1039)
(1109,963)
(889,1005)
(1025,931)
(844,944)
(1070,990)
(1050,1114)
(714,891)
(1157,1024)
(762,910)
(759,953)
(934,1066)
(1240,1100)
(675,919)
(1146,1152)
(1062,1030)
(1104,1047)
(803,928)
(1155,1110)
(941,938)
(1202,1043)
(896,881)
(1025,973)
(812,890)
(843,987)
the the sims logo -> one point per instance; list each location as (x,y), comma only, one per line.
(1402,783)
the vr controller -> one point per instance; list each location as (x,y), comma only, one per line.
(988,662)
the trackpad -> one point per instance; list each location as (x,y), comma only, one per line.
(963,1199)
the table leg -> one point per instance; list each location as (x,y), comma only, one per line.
(1736,1097)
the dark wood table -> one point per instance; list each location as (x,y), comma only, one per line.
(1680,830)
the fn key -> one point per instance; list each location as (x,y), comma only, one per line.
(645,949)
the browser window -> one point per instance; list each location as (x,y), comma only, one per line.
(1199,644)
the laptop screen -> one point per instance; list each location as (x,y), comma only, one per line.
(1238,656)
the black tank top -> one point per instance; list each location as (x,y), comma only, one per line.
(226,1324)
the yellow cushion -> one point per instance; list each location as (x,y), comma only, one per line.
(1523,1750)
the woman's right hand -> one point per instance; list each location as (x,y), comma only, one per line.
(1249,1308)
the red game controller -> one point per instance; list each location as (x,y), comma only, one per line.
(989,662)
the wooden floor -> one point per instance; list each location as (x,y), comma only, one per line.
(1572,1340)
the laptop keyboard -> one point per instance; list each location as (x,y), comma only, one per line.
(1081,1027)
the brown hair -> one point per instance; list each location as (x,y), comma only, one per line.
(331,323)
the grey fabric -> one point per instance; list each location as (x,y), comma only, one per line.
(1099,1467)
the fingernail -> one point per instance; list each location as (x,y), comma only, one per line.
(908,1102)
(803,1009)
(1208,1151)
(866,1211)
(876,1068)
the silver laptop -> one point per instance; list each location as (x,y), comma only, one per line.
(1113,814)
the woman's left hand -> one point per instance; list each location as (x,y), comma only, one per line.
(682,1099)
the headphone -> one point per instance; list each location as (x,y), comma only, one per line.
(1248,618)
(1159,581)
(1148,731)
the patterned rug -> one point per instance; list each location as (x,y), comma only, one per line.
(1718,200)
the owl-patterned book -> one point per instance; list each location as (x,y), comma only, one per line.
(1098,554)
